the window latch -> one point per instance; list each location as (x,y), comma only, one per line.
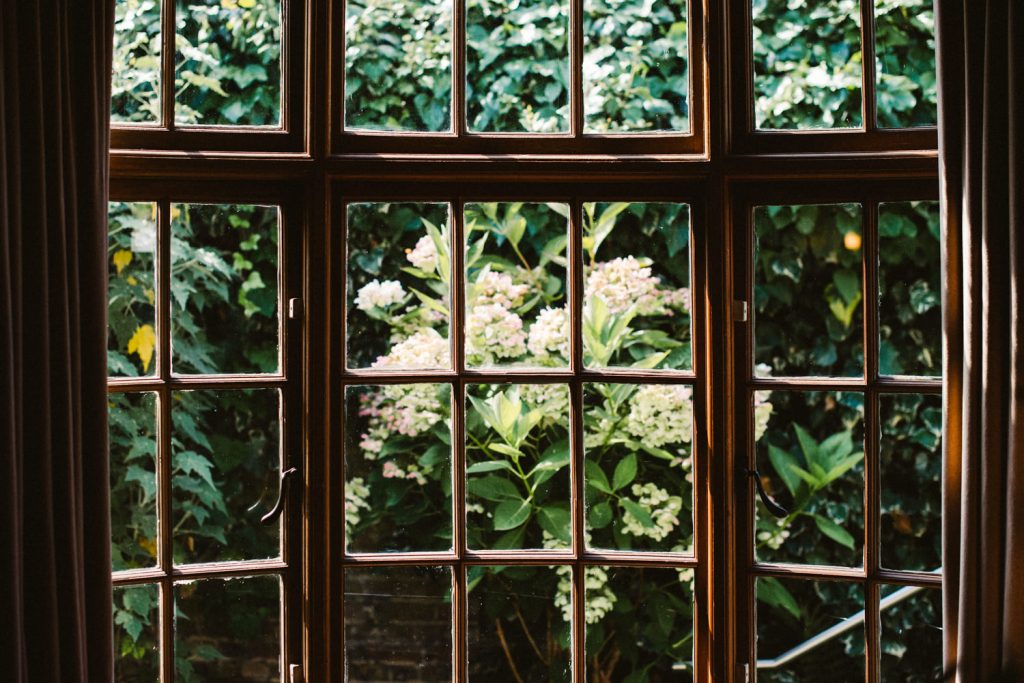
(770,503)
(282,495)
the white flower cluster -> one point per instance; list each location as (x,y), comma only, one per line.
(762,405)
(661,414)
(424,349)
(775,537)
(549,334)
(492,287)
(599,597)
(623,282)
(356,493)
(552,400)
(378,294)
(494,332)
(408,409)
(424,254)
(663,508)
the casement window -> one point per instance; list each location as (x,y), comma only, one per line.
(579,340)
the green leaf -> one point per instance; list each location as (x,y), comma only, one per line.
(772,592)
(808,444)
(429,302)
(784,463)
(834,531)
(848,284)
(625,472)
(510,514)
(493,488)
(557,521)
(600,515)
(506,450)
(596,477)
(191,462)
(640,514)
(488,466)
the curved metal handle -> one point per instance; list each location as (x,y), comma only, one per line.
(773,507)
(282,494)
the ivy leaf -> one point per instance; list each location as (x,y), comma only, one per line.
(143,343)
(121,259)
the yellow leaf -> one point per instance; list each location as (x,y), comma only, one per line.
(143,342)
(132,281)
(122,258)
(150,295)
(247,4)
(149,545)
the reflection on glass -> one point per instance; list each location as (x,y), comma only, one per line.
(517,66)
(790,612)
(398,65)
(911,642)
(808,318)
(136,633)
(132,429)
(515,284)
(639,466)
(907,92)
(131,292)
(636,290)
(224,474)
(228,62)
(398,624)
(224,288)
(398,468)
(639,624)
(811,456)
(517,466)
(399,286)
(519,627)
(909,289)
(911,475)
(135,82)
(228,630)
(635,64)
(807,64)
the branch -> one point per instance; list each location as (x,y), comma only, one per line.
(508,654)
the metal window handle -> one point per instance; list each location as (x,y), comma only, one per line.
(769,502)
(282,494)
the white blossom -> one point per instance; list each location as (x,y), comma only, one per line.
(549,333)
(424,349)
(661,414)
(624,282)
(599,597)
(424,254)
(356,493)
(552,400)
(663,509)
(379,294)
(493,331)
(492,287)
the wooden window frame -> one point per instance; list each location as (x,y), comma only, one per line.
(312,166)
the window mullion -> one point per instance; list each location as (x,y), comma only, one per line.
(165,541)
(167,56)
(867,40)
(459,68)
(457,335)
(872,434)
(576,61)
(578,629)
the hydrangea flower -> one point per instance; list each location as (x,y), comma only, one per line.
(493,331)
(492,287)
(379,294)
(356,493)
(410,409)
(549,334)
(551,399)
(424,254)
(623,282)
(663,508)
(600,599)
(661,414)
(424,349)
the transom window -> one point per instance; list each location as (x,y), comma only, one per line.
(594,340)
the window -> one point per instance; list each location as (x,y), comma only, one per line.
(492,308)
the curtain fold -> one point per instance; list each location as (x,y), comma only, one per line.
(55,594)
(981,150)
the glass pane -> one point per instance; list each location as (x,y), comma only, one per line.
(790,612)
(911,474)
(515,284)
(811,458)
(132,425)
(517,66)
(224,474)
(228,630)
(398,624)
(398,65)
(808,318)
(131,289)
(517,466)
(135,83)
(639,624)
(635,63)
(224,292)
(909,289)
(639,466)
(228,62)
(136,633)
(636,292)
(519,624)
(905,57)
(807,64)
(911,634)
(399,286)
(398,485)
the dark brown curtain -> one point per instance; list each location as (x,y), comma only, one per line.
(981,130)
(54,529)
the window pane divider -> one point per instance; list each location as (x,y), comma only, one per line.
(168,53)
(872,433)
(867,63)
